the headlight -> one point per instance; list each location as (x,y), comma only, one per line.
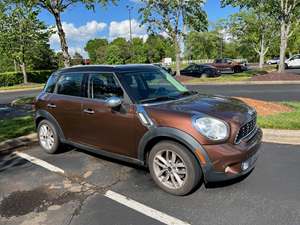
(212,128)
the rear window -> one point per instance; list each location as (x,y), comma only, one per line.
(50,85)
(70,84)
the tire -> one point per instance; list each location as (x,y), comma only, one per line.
(286,66)
(48,137)
(206,73)
(190,177)
(236,69)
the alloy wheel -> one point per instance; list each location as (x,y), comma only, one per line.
(170,169)
(46,136)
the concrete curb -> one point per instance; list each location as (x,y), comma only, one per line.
(290,137)
(18,142)
(22,89)
(243,83)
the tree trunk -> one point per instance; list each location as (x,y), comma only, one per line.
(177,52)
(63,42)
(23,69)
(15,65)
(283,45)
(262,52)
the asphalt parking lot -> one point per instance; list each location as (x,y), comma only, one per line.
(31,194)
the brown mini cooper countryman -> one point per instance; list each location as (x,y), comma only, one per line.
(141,114)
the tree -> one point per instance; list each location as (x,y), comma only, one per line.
(138,48)
(55,8)
(155,48)
(77,59)
(118,51)
(286,11)
(202,45)
(171,16)
(256,28)
(97,50)
(21,32)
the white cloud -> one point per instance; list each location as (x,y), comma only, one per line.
(81,33)
(78,36)
(121,29)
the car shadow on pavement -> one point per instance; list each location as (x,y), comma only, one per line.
(112,160)
(9,161)
(221,184)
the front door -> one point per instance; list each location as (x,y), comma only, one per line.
(104,127)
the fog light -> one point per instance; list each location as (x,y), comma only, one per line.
(245,165)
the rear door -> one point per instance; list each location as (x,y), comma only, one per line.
(103,127)
(65,104)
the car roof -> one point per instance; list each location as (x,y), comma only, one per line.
(108,68)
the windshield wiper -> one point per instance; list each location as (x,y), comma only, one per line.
(188,93)
(159,98)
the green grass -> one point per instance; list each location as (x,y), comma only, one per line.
(16,127)
(21,86)
(288,120)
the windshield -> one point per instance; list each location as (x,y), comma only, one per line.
(152,86)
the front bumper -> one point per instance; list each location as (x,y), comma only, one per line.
(226,159)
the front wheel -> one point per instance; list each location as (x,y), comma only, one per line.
(48,137)
(174,168)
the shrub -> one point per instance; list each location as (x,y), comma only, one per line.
(13,78)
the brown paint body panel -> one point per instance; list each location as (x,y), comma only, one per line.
(109,129)
(120,130)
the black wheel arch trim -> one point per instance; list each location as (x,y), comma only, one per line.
(46,115)
(176,134)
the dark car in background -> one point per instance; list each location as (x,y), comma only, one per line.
(200,70)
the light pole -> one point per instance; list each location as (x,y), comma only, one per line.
(129,8)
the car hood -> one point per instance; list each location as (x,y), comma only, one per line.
(228,109)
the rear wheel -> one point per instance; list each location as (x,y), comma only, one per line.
(174,168)
(48,137)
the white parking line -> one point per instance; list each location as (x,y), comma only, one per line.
(39,162)
(141,208)
(150,212)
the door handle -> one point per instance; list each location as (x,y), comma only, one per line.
(50,105)
(89,111)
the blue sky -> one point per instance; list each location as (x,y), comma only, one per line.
(110,22)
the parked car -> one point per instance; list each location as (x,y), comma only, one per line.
(167,69)
(200,70)
(274,60)
(293,62)
(228,65)
(141,114)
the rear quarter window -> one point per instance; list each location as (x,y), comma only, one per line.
(70,84)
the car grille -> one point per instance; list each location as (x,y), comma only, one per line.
(246,130)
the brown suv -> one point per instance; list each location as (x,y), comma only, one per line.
(141,114)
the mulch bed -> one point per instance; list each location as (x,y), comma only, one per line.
(274,76)
(182,78)
(264,108)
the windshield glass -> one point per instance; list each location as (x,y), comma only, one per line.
(152,86)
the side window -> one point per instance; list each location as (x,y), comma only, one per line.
(191,67)
(103,86)
(50,85)
(218,61)
(70,84)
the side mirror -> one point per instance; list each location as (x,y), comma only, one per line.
(113,102)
